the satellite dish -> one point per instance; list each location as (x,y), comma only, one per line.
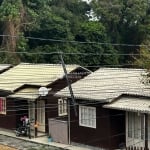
(43,91)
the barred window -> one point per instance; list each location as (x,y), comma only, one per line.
(2,105)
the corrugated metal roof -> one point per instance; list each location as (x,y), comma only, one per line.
(106,84)
(131,104)
(4,67)
(26,93)
(32,74)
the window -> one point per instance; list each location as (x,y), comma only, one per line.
(87,116)
(135,125)
(62,107)
(2,105)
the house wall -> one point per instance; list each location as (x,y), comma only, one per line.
(117,128)
(52,101)
(15,110)
(109,132)
(8,121)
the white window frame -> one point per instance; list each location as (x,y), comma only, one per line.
(62,107)
(3,107)
(87,116)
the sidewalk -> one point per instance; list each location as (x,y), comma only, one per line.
(42,140)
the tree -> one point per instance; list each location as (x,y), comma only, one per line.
(123,20)
(58,20)
(14,16)
(11,14)
(100,54)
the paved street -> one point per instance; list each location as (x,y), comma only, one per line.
(3,147)
(22,145)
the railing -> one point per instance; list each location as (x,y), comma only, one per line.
(136,148)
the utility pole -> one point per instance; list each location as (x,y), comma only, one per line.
(71,93)
(68,83)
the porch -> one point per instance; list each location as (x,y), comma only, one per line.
(137,120)
(32,105)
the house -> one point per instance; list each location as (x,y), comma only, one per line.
(107,101)
(21,92)
(137,118)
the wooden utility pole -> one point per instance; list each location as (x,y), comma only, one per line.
(68,83)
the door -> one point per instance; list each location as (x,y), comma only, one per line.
(135,129)
(41,115)
(31,111)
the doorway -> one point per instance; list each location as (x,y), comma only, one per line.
(41,115)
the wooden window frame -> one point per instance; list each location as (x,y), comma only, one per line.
(62,107)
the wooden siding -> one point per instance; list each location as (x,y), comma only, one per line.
(8,121)
(109,132)
(51,110)
(15,110)
(52,101)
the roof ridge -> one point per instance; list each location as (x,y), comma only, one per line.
(107,68)
(46,64)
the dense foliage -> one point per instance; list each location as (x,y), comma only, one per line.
(83,31)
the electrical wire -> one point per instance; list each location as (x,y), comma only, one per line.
(72,41)
(77,53)
(86,103)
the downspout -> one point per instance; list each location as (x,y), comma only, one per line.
(68,105)
(35,123)
(146,131)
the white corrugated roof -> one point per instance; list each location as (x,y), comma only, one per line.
(32,74)
(26,93)
(4,67)
(130,104)
(107,83)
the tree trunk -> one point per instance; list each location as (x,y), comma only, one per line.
(11,31)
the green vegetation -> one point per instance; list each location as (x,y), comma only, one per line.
(112,21)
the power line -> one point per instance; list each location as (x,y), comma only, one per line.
(72,41)
(77,53)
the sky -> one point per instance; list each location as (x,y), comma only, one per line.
(87,1)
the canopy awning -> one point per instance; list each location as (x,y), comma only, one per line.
(130,104)
(26,93)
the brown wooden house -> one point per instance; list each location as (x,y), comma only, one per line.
(19,92)
(98,125)
(137,119)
